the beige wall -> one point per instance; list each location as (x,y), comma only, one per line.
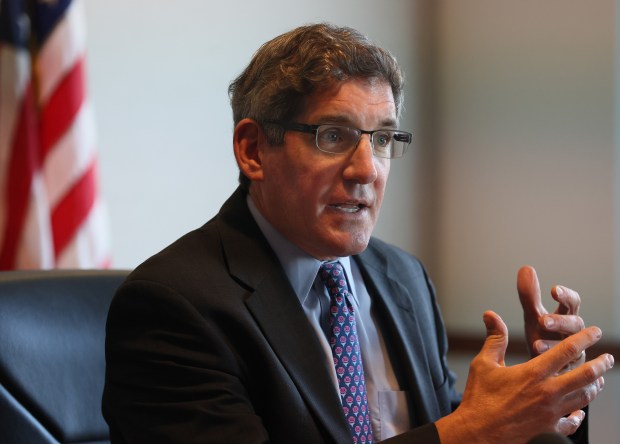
(525,155)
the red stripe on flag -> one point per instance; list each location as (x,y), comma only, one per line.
(24,161)
(59,112)
(73,209)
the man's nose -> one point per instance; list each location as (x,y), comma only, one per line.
(361,166)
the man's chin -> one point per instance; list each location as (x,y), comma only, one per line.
(349,247)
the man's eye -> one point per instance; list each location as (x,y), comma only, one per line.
(331,135)
(382,139)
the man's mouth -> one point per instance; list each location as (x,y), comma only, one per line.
(349,207)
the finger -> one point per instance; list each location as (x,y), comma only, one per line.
(542,345)
(580,360)
(562,323)
(574,364)
(584,396)
(529,293)
(496,341)
(569,424)
(585,374)
(569,350)
(568,299)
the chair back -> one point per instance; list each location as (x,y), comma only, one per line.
(52,362)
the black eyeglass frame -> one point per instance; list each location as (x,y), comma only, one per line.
(313,129)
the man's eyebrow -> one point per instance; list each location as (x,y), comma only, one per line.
(334,118)
(389,123)
(347,121)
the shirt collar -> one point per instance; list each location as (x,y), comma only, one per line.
(300,268)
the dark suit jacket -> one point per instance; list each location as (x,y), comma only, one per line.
(207,342)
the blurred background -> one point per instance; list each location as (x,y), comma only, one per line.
(512,106)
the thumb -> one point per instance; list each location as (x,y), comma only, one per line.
(529,294)
(496,342)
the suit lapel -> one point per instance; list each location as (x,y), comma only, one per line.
(401,332)
(277,311)
(286,327)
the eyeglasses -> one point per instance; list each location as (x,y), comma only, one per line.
(338,139)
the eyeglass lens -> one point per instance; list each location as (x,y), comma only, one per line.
(339,139)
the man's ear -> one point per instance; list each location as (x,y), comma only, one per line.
(248,142)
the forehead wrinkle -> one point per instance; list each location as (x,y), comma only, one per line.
(340,111)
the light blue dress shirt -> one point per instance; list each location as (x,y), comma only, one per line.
(388,404)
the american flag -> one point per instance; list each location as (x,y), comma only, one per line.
(51,212)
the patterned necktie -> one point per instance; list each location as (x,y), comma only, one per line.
(346,353)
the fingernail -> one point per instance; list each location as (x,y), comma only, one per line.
(577,421)
(549,322)
(610,359)
(559,290)
(598,333)
(541,346)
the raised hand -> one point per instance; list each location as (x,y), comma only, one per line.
(543,330)
(513,404)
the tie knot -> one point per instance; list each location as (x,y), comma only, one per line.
(333,276)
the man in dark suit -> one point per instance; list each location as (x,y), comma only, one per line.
(281,320)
